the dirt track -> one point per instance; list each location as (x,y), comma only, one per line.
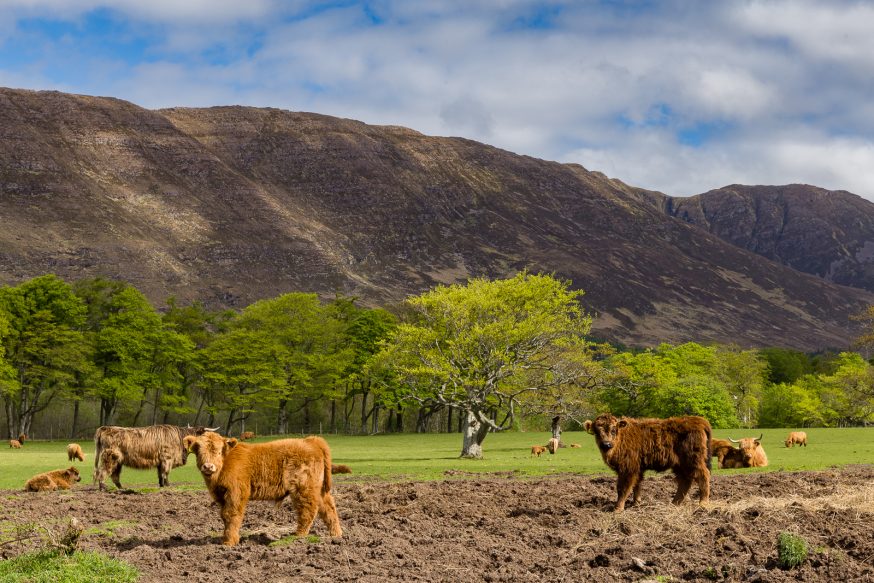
(490,529)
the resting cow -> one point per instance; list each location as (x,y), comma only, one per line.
(798,437)
(247,435)
(157,446)
(749,454)
(720,449)
(632,446)
(54,480)
(74,452)
(17,443)
(299,469)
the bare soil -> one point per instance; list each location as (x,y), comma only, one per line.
(487,528)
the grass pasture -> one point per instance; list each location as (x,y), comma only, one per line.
(417,457)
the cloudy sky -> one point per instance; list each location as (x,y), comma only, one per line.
(679,96)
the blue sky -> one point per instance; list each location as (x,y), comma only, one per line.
(678,96)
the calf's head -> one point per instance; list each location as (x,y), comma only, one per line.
(210,449)
(606,429)
(73,474)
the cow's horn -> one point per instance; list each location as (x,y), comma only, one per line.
(212,428)
(759,438)
(733,440)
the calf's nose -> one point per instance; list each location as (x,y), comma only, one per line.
(210,468)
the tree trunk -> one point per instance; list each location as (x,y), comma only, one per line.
(374,422)
(364,412)
(155,406)
(75,424)
(333,416)
(399,420)
(282,418)
(556,429)
(449,419)
(474,434)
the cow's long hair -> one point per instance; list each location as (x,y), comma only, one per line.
(142,447)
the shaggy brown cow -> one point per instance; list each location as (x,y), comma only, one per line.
(17,443)
(158,446)
(749,454)
(632,446)
(552,445)
(299,469)
(340,469)
(54,480)
(798,437)
(720,449)
(74,452)
(537,450)
(247,435)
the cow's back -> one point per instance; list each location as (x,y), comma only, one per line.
(141,447)
(269,470)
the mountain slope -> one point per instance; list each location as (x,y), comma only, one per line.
(232,204)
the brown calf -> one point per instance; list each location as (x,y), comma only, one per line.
(299,469)
(749,454)
(576,445)
(17,443)
(247,435)
(537,450)
(340,469)
(798,437)
(720,449)
(74,452)
(632,446)
(54,480)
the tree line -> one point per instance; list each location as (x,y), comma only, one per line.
(476,358)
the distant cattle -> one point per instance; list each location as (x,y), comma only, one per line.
(749,454)
(74,452)
(798,437)
(340,469)
(299,469)
(17,443)
(54,480)
(576,445)
(537,450)
(157,446)
(552,445)
(246,435)
(632,446)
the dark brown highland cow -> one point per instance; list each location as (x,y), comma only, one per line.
(157,446)
(632,446)
(298,469)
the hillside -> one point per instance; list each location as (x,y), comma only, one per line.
(229,205)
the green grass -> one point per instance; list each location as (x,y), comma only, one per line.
(435,456)
(791,550)
(54,567)
(292,538)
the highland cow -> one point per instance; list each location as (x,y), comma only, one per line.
(749,454)
(157,446)
(340,469)
(632,446)
(17,443)
(54,480)
(720,449)
(537,450)
(299,469)
(246,435)
(74,452)
(798,437)
(552,445)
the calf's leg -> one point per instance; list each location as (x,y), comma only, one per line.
(232,515)
(328,514)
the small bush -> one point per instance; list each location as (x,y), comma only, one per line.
(791,550)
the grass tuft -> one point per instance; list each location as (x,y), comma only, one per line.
(791,550)
(56,567)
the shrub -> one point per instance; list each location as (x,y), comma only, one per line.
(791,550)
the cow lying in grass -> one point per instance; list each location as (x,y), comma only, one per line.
(749,454)
(16,443)
(74,452)
(54,480)
(299,469)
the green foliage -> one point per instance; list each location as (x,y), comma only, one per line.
(786,366)
(791,550)
(55,567)
(792,405)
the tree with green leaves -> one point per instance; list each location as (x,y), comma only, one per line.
(743,373)
(44,345)
(481,347)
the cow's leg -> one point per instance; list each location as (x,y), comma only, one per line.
(637,486)
(328,514)
(306,505)
(116,475)
(163,474)
(703,479)
(684,482)
(624,486)
(232,515)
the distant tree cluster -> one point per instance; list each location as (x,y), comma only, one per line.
(475,358)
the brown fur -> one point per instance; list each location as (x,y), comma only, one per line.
(632,446)
(157,446)
(749,454)
(720,449)
(299,469)
(552,445)
(247,435)
(340,469)
(17,443)
(74,452)
(54,480)
(575,445)
(799,437)
(537,450)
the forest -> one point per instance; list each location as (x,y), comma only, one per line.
(484,356)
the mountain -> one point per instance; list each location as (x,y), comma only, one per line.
(826,233)
(228,205)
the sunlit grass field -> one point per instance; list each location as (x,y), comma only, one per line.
(435,456)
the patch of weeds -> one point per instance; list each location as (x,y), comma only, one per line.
(109,527)
(290,539)
(57,567)
(710,573)
(791,550)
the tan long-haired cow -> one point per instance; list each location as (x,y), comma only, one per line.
(749,454)
(74,452)
(16,443)
(799,437)
(54,480)
(299,469)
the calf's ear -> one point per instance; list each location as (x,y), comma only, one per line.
(622,423)
(231,442)
(587,426)
(188,441)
